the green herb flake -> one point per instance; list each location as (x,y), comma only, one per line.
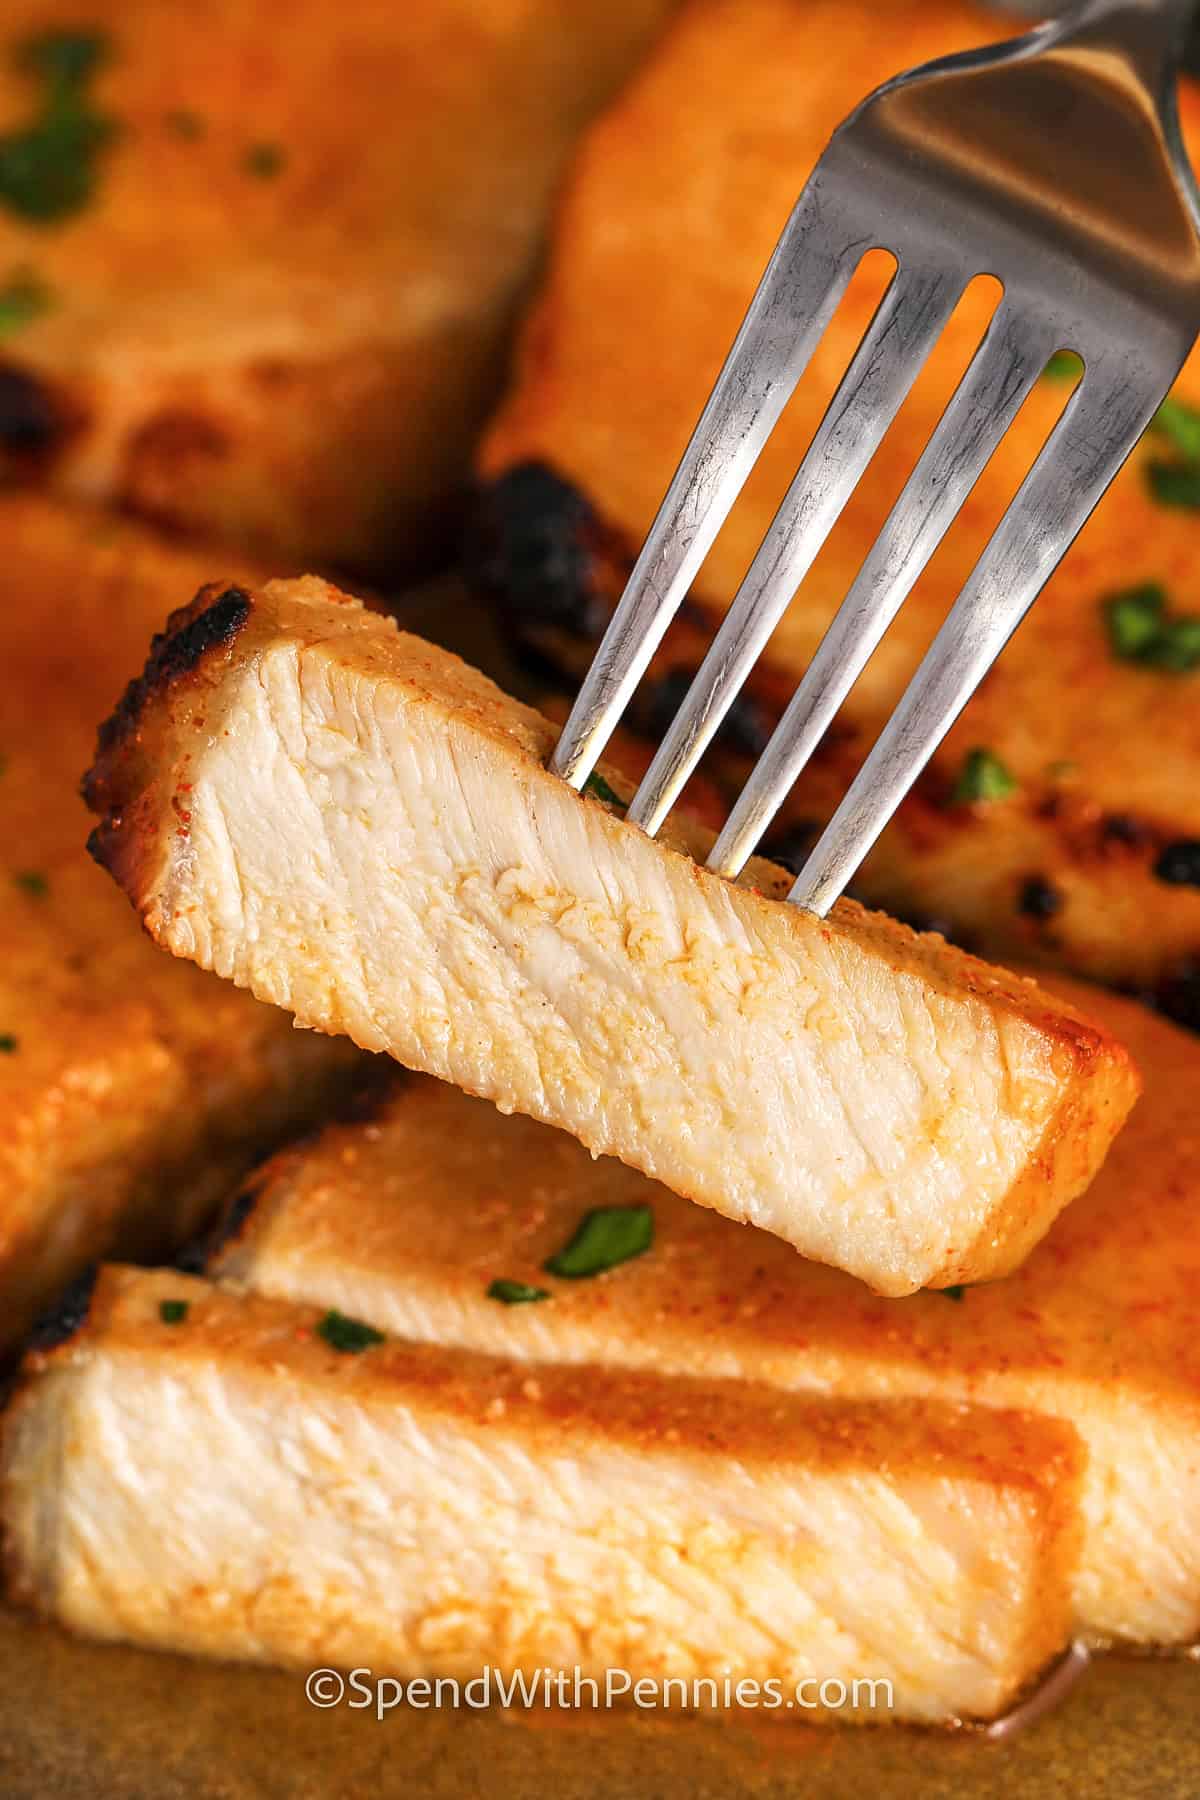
(983,777)
(1141,630)
(48,166)
(173,1312)
(182,123)
(64,59)
(8,1044)
(1175,484)
(347,1335)
(23,298)
(1180,426)
(606,1236)
(600,790)
(33,883)
(952,1293)
(516,1293)
(264,161)
(1064,365)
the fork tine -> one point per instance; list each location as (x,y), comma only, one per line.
(794,301)
(1099,426)
(907,323)
(1005,367)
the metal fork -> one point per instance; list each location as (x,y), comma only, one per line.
(1054,163)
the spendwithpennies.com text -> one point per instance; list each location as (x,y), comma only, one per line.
(361,1690)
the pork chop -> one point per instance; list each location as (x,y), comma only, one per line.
(1060,821)
(358,827)
(132,1090)
(248,1479)
(260,281)
(410,1216)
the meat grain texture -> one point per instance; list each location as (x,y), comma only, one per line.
(408,1216)
(360,828)
(668,1528)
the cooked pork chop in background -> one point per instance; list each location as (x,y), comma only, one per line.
(265,287)
(360,828)
(132,1090)
(249,1479)
(1060,821)
(410,1217)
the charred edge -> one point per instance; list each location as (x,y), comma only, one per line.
(530,548)
(213,620)
(195,1257)
(35,423)
(67,1315)
(1178,996)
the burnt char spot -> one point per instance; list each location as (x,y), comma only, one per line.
(67,1315)
(745,729)
(1178,997)
(527,548)
(1124,829)
(32,424)
(790,848)
(1179,863)
(1039,898)
(196,1256)
(214,618)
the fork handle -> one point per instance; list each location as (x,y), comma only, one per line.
(1147,32)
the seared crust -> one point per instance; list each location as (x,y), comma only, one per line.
(1103,751)
(259,327)
(143,777)
(1011,1476)
(133,1093)
(409,1222)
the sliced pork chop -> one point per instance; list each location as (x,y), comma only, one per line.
(213,1474)
(355,825)
(408,1217)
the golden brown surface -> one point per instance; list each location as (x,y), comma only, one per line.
(408,1218)
(171,835)
(642,1411)
(284,308)
(1104,752)
(133,1090)
(683,1501)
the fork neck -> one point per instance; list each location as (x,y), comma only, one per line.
(1149,34)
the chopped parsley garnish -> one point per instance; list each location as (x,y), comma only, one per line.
(185,124)
(32,882)
(8,1044)
(173,1312)
(982,777)
(264,160)
(952,1293)
(1180,425)
(63,58)
(599,788)
(606,1236)
(516,1293)
(348,1335)
(48,166)
(1064,365)
(1176,481)
(23,298)
(1141,630)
